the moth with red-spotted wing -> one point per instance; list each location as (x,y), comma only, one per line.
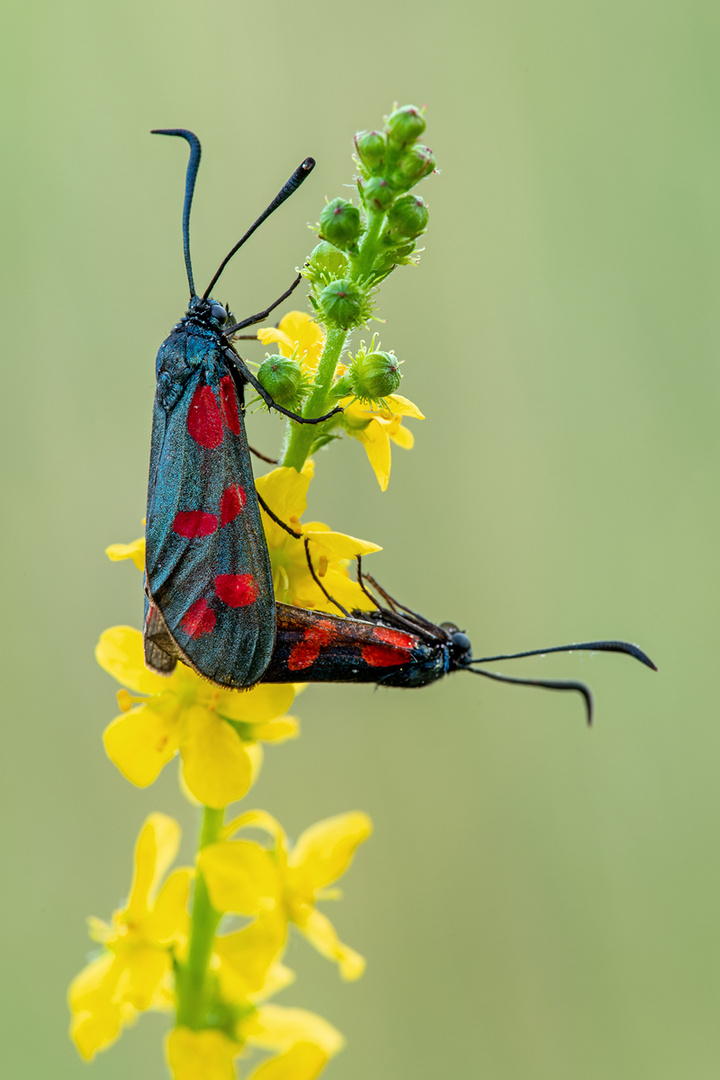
(394,646)
(209,594)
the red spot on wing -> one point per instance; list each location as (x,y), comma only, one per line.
(192,523)
(199,620)
(395,637)
(394,651)
(232,501)
(204,422)
(229,400)
(236,590)
(384,656)
(305,652)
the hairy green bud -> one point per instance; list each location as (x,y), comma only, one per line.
(407,218)
(340,223)
(343,304)
(405,125)
(377,193)
(417,161)
(325,263)
(370,377)
(371,149)
(283,379)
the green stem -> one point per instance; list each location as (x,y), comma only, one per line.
(192,977)
(303,435)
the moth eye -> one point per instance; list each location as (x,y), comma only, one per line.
(461,641)
(218,312)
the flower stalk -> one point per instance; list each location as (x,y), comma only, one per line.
(175,946)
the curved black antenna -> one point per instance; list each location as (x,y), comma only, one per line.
(581,646)
(319,583)
(301,173)
(545,684)
(190,178)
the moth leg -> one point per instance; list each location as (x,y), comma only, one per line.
(262,315)
(319,584)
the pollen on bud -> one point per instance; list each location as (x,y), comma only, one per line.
(374,375)
(343,304)
(417,161)
(283,379)
(404,125)
(408,217)
(371,148)
(340,223)
(377,193)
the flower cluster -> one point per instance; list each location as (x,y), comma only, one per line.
(206,942)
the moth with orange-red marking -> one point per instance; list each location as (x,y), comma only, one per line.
(394,646)
(208,584)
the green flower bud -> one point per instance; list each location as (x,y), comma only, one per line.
(326,259)
(408,217)
(340,223)
(405,125)
(371,149)
(377,193)
(283,379)
(343,304)
(374,376)
(418,161)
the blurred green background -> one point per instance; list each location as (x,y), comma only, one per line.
(537,901)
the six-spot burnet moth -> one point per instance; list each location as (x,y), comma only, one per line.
(394,646)
(208,583)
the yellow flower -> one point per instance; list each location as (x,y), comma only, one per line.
(283,884)
(297,335)
(375,427)
(134,551)
(134,970)
(306,1043)
(214,730)
(285,492)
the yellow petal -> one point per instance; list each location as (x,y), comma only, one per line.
(377,447)
(97,1016)
(337,545)
(216,765)
(134,551)
(201,1055)
(167,922)
(325,850)
(402,437)
(258,819)
(278,730)
(141,741)
(146,968)
(304,1061)
(285,492)
(155,849)
(120,652)
(248,956)
(402,406)
(270,335)
(241,877)
(277,1027)
(321,933)
(263,702)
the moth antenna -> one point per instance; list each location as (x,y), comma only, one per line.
(190,178)
(545,684)
(301,173)
(581,646)
(319,584)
